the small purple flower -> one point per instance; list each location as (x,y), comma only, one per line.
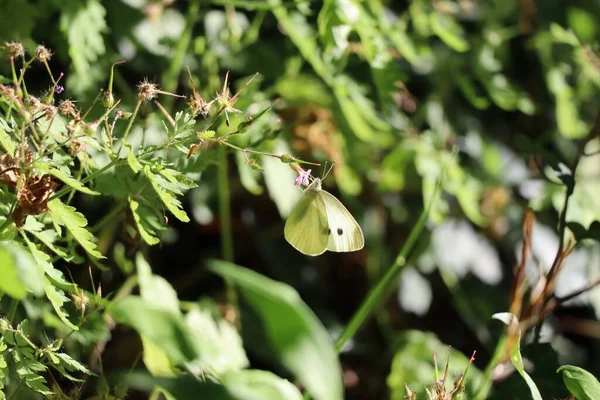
(59,89)
(302,177)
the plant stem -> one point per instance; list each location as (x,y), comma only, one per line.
(224,209)
(170,78)
(225,219)
(378,293)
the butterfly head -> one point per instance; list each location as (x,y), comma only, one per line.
(315,185)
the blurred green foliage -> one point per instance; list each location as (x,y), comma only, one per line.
(144,187)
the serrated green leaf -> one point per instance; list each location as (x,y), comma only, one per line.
(447,29)
(296,335)
(75,222)
(582,384)
(133,162)
(84,23)
(65,178)
(6,141)
(146,222)
(29,370)
(207,134)
(170,201)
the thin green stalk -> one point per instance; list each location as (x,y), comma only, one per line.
(224,207)
(171,76)
(225,221)
(12,311)
(378,293)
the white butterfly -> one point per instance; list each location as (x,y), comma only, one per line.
(320,222)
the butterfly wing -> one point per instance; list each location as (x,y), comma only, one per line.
(306,227)
(344,232)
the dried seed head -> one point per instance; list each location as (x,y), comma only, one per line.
(8,93)
(146,90)
(67,107)
(42,53)
(199,105)
(14,49)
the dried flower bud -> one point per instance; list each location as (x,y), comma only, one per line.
(14,49)
(146,90)
(42,53)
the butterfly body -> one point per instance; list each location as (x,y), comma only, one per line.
(320,222)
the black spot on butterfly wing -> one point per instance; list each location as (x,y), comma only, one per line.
(340,232)
(328,231)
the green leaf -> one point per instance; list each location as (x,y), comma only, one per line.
(248,175)
(581,384)
(30,370)
(67,364)
(515,356)
(19,271)
(53,292)
(296,335)
(5,139)
(75,222)
(447,29)
(163,328)
(259,385)
(64,177)
(146,221)
(11,282)
(83,24)
(217,340)
(133,162)
(3,366)
(164,192)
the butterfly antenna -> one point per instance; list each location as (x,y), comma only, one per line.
(329,170)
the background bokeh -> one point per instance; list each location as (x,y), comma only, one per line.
(385,90)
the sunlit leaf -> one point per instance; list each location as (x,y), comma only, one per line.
(299,340)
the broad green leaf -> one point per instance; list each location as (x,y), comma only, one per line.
(581,384)
(296,335)
(156,291)
(22,273)
(75,223)
(279,180)
(167,198)
(515,356)
(248,175)
(181,388)
(217,340)
(11,282)
(163,328)
(413,365)
(259,385)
